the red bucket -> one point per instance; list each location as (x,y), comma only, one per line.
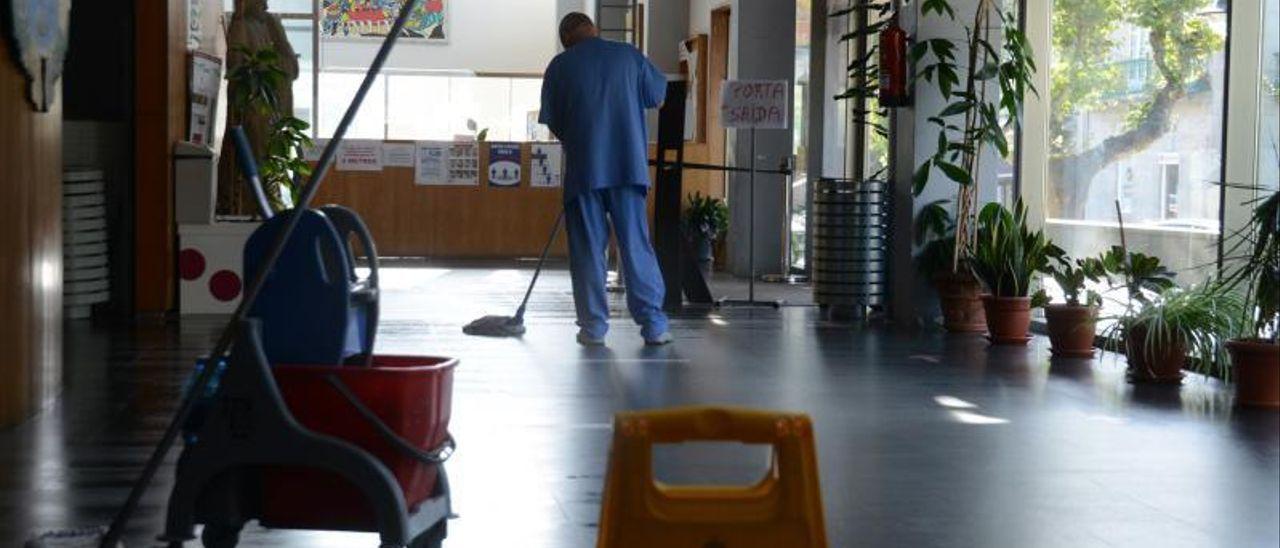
(411,394)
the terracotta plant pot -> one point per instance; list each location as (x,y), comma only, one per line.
(1071,329)
(1008,319)
(1256,366)
(961,298)
(1161,364)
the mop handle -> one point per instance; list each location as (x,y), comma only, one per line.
(112,537)
(541,260)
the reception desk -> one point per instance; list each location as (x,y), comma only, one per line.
(464,222)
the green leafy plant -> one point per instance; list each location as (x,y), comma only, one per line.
(982,109)
(706,217)
(1200,318)
(254,86)
(1073,275)
(284,161)
(1143,276)
(1007,254)
(1254,260)
(935,236)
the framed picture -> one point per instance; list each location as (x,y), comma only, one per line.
(373,19)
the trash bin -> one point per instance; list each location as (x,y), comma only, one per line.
(195,183)
(850,244)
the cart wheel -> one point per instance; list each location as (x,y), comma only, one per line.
(431,539)
(220,536)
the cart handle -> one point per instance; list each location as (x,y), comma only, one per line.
(434,456)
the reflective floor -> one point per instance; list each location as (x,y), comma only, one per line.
(924,439)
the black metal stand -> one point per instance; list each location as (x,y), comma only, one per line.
(751,301)
(680,272)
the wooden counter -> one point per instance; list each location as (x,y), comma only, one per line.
(463,221)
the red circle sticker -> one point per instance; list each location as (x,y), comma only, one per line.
(191,264)
(224,285)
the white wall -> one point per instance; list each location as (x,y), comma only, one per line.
(700,15)
(509,36)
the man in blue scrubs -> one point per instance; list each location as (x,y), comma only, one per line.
(594,97)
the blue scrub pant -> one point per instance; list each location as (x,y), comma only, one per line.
(585,218)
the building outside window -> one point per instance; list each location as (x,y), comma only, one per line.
(1141,126)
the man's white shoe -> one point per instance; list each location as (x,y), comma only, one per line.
(585,339)
(664,339)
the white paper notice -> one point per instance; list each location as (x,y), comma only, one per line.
(432,166)
(464,164)
(546,165)
(397,154)
(360,155)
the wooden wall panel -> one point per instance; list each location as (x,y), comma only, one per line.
(30,248)
(468,222)
(160,106)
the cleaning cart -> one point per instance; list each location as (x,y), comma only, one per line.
(307,428)
(319,447)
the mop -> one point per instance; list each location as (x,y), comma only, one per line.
(513,326)
(111,537)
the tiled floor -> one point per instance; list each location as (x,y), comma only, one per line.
(924,439)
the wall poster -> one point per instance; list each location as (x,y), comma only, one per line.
(464,163)
(397,154)
(429,22)
(504,165)
(432,166)
(546,165)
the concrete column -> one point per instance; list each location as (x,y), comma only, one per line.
(762,46)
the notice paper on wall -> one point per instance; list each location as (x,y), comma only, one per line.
(464,163)
(432,165)
(545,165)
(360,155)
(763,104)
(504,165)
(397,154)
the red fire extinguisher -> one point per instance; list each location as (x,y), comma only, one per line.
(893,65)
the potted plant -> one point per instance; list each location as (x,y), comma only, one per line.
(1255,353)
(279,138)
(1006,257)
(705,220)
(959,293)
(1073,324)
(1159,336)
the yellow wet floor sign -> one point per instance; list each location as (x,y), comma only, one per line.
(784,510)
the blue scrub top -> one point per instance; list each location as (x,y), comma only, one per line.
(594,97)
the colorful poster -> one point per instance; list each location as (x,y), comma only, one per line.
(504,165)
(464,163)
(374,19)
(546,165)
(397,155)
(360,155)
(432,163)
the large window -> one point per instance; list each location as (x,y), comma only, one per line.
(426,106)
(1136,96)
(1269,108)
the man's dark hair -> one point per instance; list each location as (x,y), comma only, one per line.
(571,25)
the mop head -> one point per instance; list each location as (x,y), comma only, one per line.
(88,537)
(495,326)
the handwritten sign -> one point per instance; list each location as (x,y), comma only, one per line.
(764,104)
